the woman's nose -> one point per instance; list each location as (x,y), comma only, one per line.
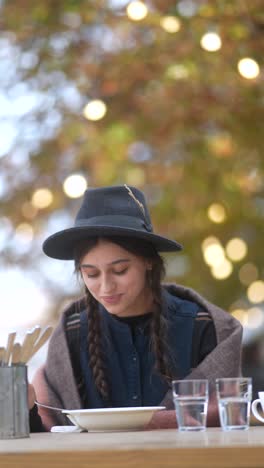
(107,284)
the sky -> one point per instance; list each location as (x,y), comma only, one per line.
(24,303)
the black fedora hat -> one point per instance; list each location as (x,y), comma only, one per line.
(115,210)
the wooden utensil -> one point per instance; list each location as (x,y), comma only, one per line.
(9,347)
(41,341)
(2,355)
(28,344)
(16,354)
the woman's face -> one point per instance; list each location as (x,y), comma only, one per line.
(117,279)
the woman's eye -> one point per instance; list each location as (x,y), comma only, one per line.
(121,272)
(96,275)
(90,275)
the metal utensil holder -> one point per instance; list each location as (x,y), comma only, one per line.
(14,412)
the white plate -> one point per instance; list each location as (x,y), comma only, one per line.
(113,419)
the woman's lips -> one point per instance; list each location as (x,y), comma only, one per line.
(111,299)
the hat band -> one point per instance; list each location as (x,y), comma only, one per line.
(115,221)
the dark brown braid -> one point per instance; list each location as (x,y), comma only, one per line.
(96,360)
(158,326)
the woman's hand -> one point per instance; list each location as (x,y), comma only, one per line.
(31,396)
(164,419)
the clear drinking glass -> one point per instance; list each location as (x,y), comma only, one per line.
(234,398)
(191,402)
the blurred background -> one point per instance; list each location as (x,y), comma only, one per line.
(165,95)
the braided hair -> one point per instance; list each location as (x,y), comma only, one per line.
(158,324)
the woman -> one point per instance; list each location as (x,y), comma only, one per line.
(125,341)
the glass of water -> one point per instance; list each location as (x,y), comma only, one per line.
(191,402)
(234,397)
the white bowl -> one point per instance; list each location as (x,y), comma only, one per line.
(112,419)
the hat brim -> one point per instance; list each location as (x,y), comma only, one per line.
(61,245)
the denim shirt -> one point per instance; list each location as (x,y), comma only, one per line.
(129,360)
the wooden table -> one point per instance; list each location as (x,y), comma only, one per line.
(165,448)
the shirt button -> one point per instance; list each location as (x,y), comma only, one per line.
(135,397)
(134,358)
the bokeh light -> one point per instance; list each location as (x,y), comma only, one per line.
(187,8)
(140,152)
(171,24)
(95,110)
(251,318)
(209,241)
(223,270)
(248,68)
(221,144)
(25,230)
(255,317)
(137,10)
(214,254)
(241,315)
(211,42)
(177,72)
(236,249)
(42,198)
(255,292)
(216,213)
(74,186)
